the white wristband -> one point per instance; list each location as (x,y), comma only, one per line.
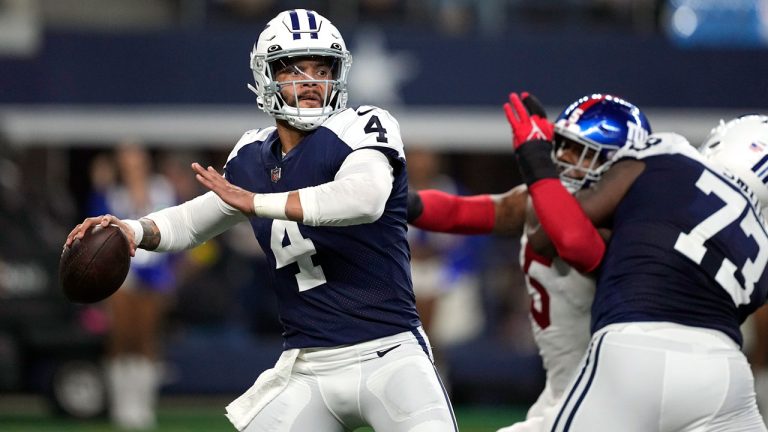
(138,230)
(271,205)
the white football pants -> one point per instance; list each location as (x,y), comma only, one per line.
(660,377)
(389,384)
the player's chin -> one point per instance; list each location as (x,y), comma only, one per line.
(310,103)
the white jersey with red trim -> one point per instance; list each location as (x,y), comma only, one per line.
(561,299)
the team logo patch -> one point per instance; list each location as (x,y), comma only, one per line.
(274,174)
(757,146)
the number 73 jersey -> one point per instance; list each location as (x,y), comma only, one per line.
(689,245)
(335,285)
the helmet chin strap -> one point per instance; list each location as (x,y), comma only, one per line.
(253,89)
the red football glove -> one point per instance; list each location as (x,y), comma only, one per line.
(527,118)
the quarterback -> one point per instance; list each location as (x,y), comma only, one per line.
(325,191)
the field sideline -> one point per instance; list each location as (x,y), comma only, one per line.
(200,414)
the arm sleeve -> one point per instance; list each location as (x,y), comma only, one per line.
(357,195)
(577,241)
(193,222)
(443,212)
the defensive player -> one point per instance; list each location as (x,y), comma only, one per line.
(561,296)
(684,267)
(325,191)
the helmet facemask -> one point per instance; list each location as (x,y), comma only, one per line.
(591,161)
(589,133)
(271,94)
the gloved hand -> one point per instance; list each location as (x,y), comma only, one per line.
(527,118)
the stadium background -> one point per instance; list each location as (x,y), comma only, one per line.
(76,77)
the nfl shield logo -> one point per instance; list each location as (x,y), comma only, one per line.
(275,174)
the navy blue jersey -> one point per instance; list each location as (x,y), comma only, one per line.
(334,285)
(689,245)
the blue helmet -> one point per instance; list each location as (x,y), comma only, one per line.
(593,128)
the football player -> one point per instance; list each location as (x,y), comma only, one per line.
(684,267)
(586,133)
(325,191)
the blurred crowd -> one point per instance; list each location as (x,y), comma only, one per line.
(447,16)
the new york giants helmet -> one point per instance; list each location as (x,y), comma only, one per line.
(299,33)
(595,127)
(741,147)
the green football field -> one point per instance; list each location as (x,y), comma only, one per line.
(204,415)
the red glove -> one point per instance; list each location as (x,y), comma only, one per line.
(528,119)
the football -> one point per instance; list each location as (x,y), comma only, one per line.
(93,268)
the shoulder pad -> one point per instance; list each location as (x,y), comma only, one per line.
(250,137)
(663,143)
(367,126)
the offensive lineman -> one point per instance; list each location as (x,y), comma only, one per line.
(685,266)
(585,133)
(325,191)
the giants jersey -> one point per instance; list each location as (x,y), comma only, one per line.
(688,246)
(335,285)
(561,298)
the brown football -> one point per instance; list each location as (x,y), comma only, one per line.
(94,267)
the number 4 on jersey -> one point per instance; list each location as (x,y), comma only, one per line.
(298,250)
(374,126)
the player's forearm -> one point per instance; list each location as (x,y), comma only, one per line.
(357,195)
(566,225)
(281,205)
(146,234)
(348,201)
(444,212)
(186,225)
(570,230)
(511,208)
(150,234)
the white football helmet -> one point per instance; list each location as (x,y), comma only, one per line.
(741,147)
(299,33)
